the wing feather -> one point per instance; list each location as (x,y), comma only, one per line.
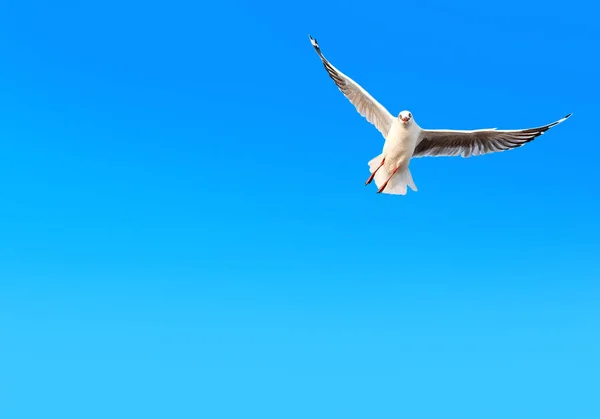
(364,103)
(434,143)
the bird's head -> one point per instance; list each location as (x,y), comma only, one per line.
(405,117)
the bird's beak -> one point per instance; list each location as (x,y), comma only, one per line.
(405,120)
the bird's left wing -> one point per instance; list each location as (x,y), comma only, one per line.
(365,104)
(435,143)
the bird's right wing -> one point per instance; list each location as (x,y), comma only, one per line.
(365,104)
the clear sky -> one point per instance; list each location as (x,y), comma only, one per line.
(184,230)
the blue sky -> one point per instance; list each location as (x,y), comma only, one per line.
(184,230)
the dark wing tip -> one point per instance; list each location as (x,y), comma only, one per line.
(563,119)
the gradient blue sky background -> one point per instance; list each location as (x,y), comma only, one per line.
(184,230)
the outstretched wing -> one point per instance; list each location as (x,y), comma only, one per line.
(435,143)
(365,104)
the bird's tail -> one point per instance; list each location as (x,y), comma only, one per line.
(397,184)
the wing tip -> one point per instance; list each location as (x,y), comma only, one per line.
(313,41)
(563,119)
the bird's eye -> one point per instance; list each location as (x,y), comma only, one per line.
(410,115)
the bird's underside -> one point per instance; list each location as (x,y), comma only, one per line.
(428,143)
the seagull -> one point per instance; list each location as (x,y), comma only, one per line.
(404,139)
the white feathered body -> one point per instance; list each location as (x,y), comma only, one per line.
(398,149)
(400,144)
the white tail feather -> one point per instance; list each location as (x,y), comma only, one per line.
(397,184)
(374,163)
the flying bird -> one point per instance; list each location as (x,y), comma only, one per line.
(404,139)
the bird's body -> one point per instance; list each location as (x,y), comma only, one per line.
(397,151)
(394,159)
(400,144)
(404,139)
